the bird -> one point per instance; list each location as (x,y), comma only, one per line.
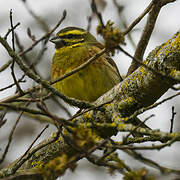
(74,46)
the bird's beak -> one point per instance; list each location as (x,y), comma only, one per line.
(55,39)
(58,42)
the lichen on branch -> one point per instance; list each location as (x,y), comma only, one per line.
(140,89)
(112,36)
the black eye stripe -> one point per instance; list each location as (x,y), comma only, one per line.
(63,43)
(60,44)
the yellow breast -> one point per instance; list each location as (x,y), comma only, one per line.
(89,83)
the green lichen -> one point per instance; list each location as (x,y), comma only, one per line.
(112,36)
(138,174)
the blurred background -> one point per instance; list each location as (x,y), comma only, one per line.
(78,12)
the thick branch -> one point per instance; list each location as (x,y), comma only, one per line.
(142,88)
(147,31)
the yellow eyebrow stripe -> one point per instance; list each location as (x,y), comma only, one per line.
(75,32)
(73,40)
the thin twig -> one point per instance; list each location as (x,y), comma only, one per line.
(13,61)
(22,108)
(137,20)
(147,161)
(37,41)
(138,61)
(11,135)
(93,159)
(62,106)
(139,125)
(10,30)
(19,163)
(140,111)
(11,85)
(2,120)
(41,53)
(36,78)
(85,154)
(176,88)
(90,60)
(5,66)
(123,21)
(143,42)
(57,121)
(152,147)
(98,14)
(172,119)
(21,49)
(38,136)
(39,20)
(89,22)
(46,35)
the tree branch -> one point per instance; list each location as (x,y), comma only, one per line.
(140,89)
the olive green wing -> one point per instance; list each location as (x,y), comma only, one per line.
(111,61)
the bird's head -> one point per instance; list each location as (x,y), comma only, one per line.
(72,35)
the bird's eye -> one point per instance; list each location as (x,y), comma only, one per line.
(69,36)
(60,44)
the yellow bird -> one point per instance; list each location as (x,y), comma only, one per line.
(74,46)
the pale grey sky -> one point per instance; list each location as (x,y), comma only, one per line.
(77,11)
